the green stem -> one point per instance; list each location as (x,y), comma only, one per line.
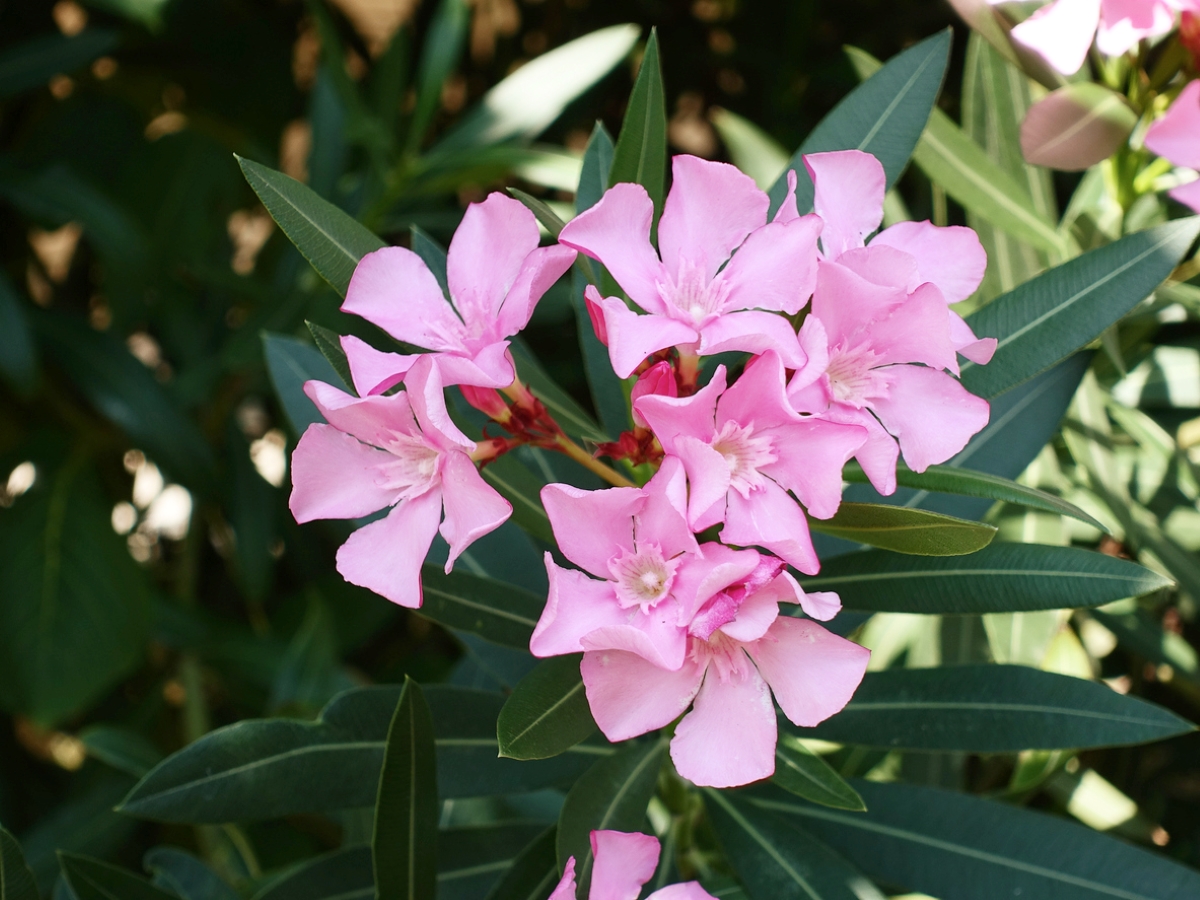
(567,446)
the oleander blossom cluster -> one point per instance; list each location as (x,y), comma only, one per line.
(679,587)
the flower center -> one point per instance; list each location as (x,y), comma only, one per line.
(693,294)
(642,577)
(852,377)
(745,453)
(413,468)
(721,654)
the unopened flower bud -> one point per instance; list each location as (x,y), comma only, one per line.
(487,401)
(1189,35)
(591,299)
(658,379)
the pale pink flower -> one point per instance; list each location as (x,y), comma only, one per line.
(848,192)
(700,295)
(650,574)
(400,451)
(744,448)
(496,273)
(621,863)
(1176,138)
(740,651)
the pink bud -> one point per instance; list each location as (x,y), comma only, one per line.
(658,379)
(487,401)
(591,299)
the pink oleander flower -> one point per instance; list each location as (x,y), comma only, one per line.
(1061,32)
(496,273)
(1176,138)
(622,863)
(722,266)
(740,651)
(400,451)
(650,574)
(744,448)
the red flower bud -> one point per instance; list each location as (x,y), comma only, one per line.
(487,401)
(658,379)
(591,299)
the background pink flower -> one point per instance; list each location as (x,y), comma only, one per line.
(1176,138)
(400,451)
(622,863)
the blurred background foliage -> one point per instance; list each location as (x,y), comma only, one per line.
(152,583)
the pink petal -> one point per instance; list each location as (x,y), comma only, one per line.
(812,455)
(1125,22)
(710,210)
(566,885)
(656,636)
(688,890)
(879,454)
(771,519)
(846,303)
(616,231)
(592,300)
(485,257)
(592,527)
(814,344)
(883,265)
(848,189)
(1188,195)
(1176,136)
(658,380)
(424,383)
(708,477)
(575,606)
(812,672)
(630,696)
(1061,33)
(473,508)
(663,518)
(758,397)
(539,271)
(930,413)
(756,614)
(977,350)
(631,338)
(752,331)
(393,288)
(623,862)
(788,210)
(715,569)
(728,739)
(952,257)
(694,416)
(370,419)
(820,605)
(371,370)
(916,331)
(776,268)
(386,556)
(334,476)
(490,367)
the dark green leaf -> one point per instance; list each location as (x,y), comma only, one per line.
(801,772)
(290,363)
(16,881)
(310,674)
(993,709)
(999,578)
(330,344)
(328,238)
(18,353)
(123,749)
(911,531)
(252,504)
(523,490)
(344,874)
(597,165)
(404,846)
(776,861)
(951,845)
(75,613)
(548,712)
(34,63)
(548,217)
(440,55)
(533,874)
(612,794)
(492,609)
(91,879)
(640,155)
(186,876)
(953,480)
(1144,634)
(885,116)
(1045,319)
(276,767)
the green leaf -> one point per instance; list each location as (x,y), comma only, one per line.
(123,749)
(18,353)
(185,876)
(523,490)
(533,874)
(993,709)
(613,794)
(775,860)
(884,116)
(329,342)
(440,55)
(750,148)
(951,845)
(548,712)
(500,612)
(525,103)
(967,483)
(309,674)
(641,152)
(801,772)
(1076,127)
(91,879)
(126,393)
(904,530)
(16,881)
(33,63)
(999,578)
(541,211)
(75,614)
(404,846)
(290,363)
(144,12)
(1059,311)
(332,241)
(263,769)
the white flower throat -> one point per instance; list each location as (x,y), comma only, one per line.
(642,577)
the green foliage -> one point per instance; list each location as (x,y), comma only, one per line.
(16,881)
(801,772)
(906,530)
(547,713)
(640,154)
